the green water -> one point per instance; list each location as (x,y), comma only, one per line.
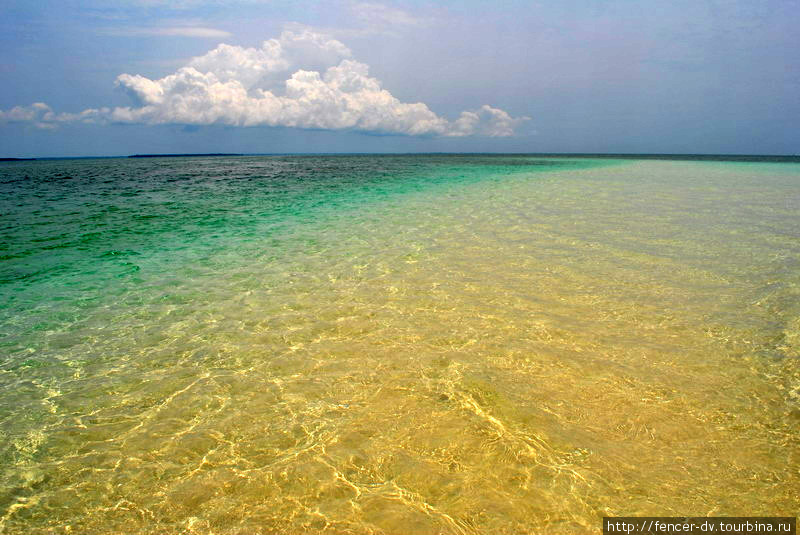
(394,344)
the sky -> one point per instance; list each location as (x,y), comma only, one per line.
(118,77)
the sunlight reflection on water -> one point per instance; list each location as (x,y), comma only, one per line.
(509,350)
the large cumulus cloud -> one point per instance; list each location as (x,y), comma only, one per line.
(302,79)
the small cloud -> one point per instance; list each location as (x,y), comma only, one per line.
(177,31)
(380,15)
(191,32)
(42,116)
(184,4)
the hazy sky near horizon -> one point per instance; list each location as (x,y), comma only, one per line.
(118,77)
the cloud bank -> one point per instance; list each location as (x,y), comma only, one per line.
(302,79)
(42,116)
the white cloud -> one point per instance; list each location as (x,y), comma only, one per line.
(302,79)
(174,31)
(380,15)
(180,4)
(268,65)
(42,116)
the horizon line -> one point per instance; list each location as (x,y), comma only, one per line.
(432,153)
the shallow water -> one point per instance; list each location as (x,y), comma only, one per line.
(396,344)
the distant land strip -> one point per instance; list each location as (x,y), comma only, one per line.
(182,155)
(773,158)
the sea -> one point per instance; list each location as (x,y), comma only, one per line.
(396,344)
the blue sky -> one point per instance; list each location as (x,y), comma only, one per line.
(132,76)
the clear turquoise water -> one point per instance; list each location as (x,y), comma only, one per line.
(359,344)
